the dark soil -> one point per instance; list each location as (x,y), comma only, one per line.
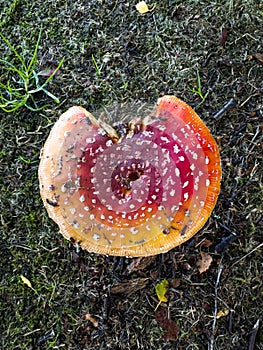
(83,301)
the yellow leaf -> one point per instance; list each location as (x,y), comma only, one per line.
(161,289)
(27,282)
(142,7)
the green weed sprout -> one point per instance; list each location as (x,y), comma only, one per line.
(198,91)
(23,81)
(98,69)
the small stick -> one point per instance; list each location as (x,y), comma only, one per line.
(224,243)
(245,256)
(226,107)
(253,335)
(212,339)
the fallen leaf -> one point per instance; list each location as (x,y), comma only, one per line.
(142,7)
(175,282)
(168,325)
(205,262)
(161,289)
(90,318)
(27,282)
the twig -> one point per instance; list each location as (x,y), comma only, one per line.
(212,339)
(249,97)
(245,256)
(253,334)
(226,107)
(224,243)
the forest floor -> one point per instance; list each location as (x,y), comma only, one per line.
(55,296)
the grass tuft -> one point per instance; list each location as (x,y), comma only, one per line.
(23,82)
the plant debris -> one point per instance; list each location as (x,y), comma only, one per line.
(90,318)
(27,282)
(139,264)
(171,329)
(205,262)
(142,7)
(252,336)
(130,287)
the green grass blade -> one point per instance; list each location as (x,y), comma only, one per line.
(11,47)
(98,70)
(54,98)
(37,109)
(14,105)
(18,89)
(33,60)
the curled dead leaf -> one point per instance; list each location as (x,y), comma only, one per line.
(205,262)
(90,318)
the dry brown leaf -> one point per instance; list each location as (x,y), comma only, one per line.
(168,325)
(205,262)
(175,282)
(90,318)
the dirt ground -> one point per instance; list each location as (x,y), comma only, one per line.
(112,53)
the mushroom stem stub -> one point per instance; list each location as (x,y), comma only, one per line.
(133,189)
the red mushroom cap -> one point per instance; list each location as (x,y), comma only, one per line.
(136,194)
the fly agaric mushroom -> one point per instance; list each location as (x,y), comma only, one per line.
(138,192)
